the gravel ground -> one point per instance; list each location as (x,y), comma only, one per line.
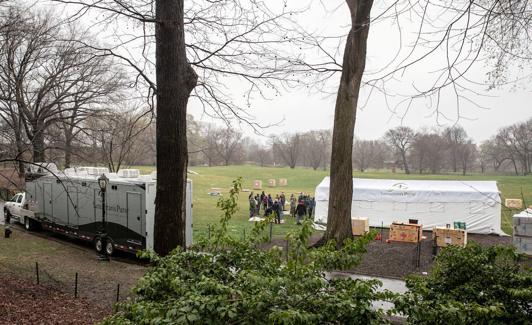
(397,260)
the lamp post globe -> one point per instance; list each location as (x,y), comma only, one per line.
(102,183)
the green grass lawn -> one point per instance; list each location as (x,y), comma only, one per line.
(306,180)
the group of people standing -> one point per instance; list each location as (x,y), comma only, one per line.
(300,206)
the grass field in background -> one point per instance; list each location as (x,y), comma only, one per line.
(306,180)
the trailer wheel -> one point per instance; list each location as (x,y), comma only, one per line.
(109,247)
(98,245)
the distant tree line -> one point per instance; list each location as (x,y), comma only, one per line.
(120,138)
(423,151)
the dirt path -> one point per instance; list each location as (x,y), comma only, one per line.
(23,302)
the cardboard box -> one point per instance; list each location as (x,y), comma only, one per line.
(405,232)
(271,182)
(359,226)
(257,185)
(446,236)
(513,203)
(283,182)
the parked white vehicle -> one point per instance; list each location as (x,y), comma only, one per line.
(18,209)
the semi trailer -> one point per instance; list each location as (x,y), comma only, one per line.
(70,203)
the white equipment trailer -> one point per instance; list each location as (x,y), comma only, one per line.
(70,203)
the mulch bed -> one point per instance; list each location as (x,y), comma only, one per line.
(397,260)
(23,302)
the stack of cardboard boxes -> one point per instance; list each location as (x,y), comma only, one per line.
(405,232)
(447,236)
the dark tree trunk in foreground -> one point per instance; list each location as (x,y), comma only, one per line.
(341,188)
(175,81)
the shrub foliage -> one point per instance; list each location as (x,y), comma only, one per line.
(472,285)
(227,281)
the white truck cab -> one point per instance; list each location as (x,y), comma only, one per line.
(18,209)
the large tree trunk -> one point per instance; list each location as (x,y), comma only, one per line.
(68,148)
(37,141)
(68,154)
(455,163)
(354,62)
(20,151)
(405,162)
(175,81)
(515,167)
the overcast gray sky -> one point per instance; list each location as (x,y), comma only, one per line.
(302,111)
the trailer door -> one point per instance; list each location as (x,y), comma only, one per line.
(134,212)
(31,192)
(72,206)
(47,200)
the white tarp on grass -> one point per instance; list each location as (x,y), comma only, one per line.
(433,203)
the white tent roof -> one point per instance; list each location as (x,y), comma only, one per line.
(433,203)
(417,190)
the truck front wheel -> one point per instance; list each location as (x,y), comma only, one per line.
(29,224)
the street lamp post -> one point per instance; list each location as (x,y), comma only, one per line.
(102,182)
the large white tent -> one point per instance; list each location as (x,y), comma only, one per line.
(433,203)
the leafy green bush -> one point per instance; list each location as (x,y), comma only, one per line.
(472,285)
(228,281)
